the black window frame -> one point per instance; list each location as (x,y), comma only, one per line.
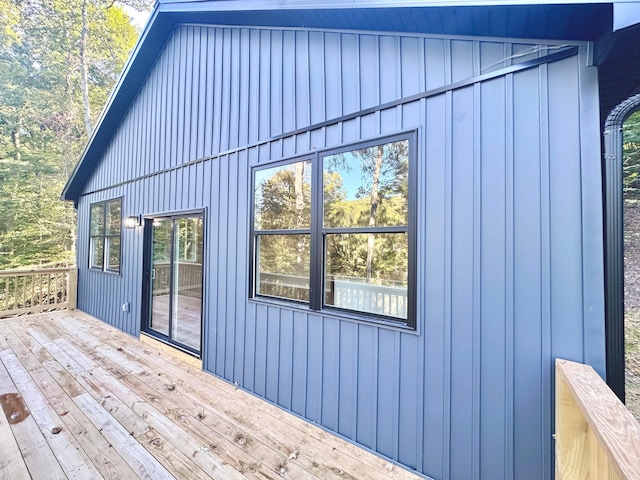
(318,233)
(255,234)
(105,236)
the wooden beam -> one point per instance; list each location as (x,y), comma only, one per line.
(597,438)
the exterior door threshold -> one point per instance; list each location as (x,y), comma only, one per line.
(171,350)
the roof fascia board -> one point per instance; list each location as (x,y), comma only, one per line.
(241,5)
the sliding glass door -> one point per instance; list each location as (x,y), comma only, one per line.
(174,256)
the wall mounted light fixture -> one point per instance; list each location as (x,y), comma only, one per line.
(132,221)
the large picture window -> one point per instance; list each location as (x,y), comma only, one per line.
(105,224)
(334,230)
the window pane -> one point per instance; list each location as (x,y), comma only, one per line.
(186,290)
(283,266)
(97,219)
(113,245)
(97,252)
(367,187)
(188,239)
(113,217)
(283,197)
(367,273)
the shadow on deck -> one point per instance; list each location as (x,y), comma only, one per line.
(101,404)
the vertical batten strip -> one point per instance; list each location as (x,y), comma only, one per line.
(253,86)
(218,74)
(168,103)
(245,81)
(168,121)
(208,85)
(146,105)
(195,92)
(213,286)
(395,419)
(421,298)
(477,275)
(158,124)
(232,271)
(242,234)
(509,277)
(448,285)
(448,154)
(592,227)
(199,84)
(190,104)
(234,89)
(139,157)
(184,96)
(545,267)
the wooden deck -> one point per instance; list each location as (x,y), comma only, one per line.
(100,404)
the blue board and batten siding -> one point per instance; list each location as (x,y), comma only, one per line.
(509,234)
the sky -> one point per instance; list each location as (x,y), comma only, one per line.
(139,18)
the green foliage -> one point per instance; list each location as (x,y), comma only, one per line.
(41,117)
(277,201)
(631,157)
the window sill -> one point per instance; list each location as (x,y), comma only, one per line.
(354,317)
(108,272)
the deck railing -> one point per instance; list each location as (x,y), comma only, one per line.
(40,290)
(341,292)
(597,438)
(189,278)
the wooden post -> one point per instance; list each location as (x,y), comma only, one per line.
(572,448)
(597,438)
(72,286)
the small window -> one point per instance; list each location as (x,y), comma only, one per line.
(105,224)
(345,246)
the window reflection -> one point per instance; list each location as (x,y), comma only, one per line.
(358,227)
(367,273)
(367,187)
(283,197)
(283,266)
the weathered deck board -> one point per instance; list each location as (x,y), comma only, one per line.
(12,465)
(128,410)
(36,453)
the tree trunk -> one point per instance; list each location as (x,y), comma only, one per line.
(15,139)
(298,186)
(84,33)
(374,208)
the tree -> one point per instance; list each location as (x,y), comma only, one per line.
(54,77)
(376,196)
(631,157)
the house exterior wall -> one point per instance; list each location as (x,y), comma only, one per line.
(509,233)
